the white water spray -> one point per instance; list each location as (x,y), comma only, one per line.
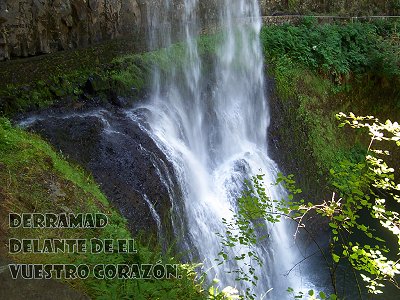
(216,136)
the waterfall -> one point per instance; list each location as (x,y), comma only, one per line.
(212,126)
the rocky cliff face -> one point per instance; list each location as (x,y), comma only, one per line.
(31,27)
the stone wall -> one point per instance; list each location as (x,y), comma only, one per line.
(31,27)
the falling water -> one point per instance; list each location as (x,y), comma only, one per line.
(212,127)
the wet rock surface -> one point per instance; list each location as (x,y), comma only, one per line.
(123,159)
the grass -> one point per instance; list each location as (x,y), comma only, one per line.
(34,178)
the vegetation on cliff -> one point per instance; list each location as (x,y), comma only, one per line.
(363,219)
(69,78)
(321,70)
(76,79)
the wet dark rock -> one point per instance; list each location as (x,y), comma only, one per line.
(89,86)
(241,166)
(120,101)
(96,84)
(121,157)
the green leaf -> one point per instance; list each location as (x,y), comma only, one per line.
(335,257)
(333,225)
(290,290)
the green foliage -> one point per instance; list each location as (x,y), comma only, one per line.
(356,239)
(366,186)
(253,207)
(315,83)
(337,50)
(371,187)
(348,69)
(309,99)
(311,295)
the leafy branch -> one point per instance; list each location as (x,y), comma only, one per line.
(367,186)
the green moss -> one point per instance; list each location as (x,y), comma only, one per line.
(135,70)
(314,101)
(34,178)
(62,76)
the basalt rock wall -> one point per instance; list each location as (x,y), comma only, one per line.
(34,27)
